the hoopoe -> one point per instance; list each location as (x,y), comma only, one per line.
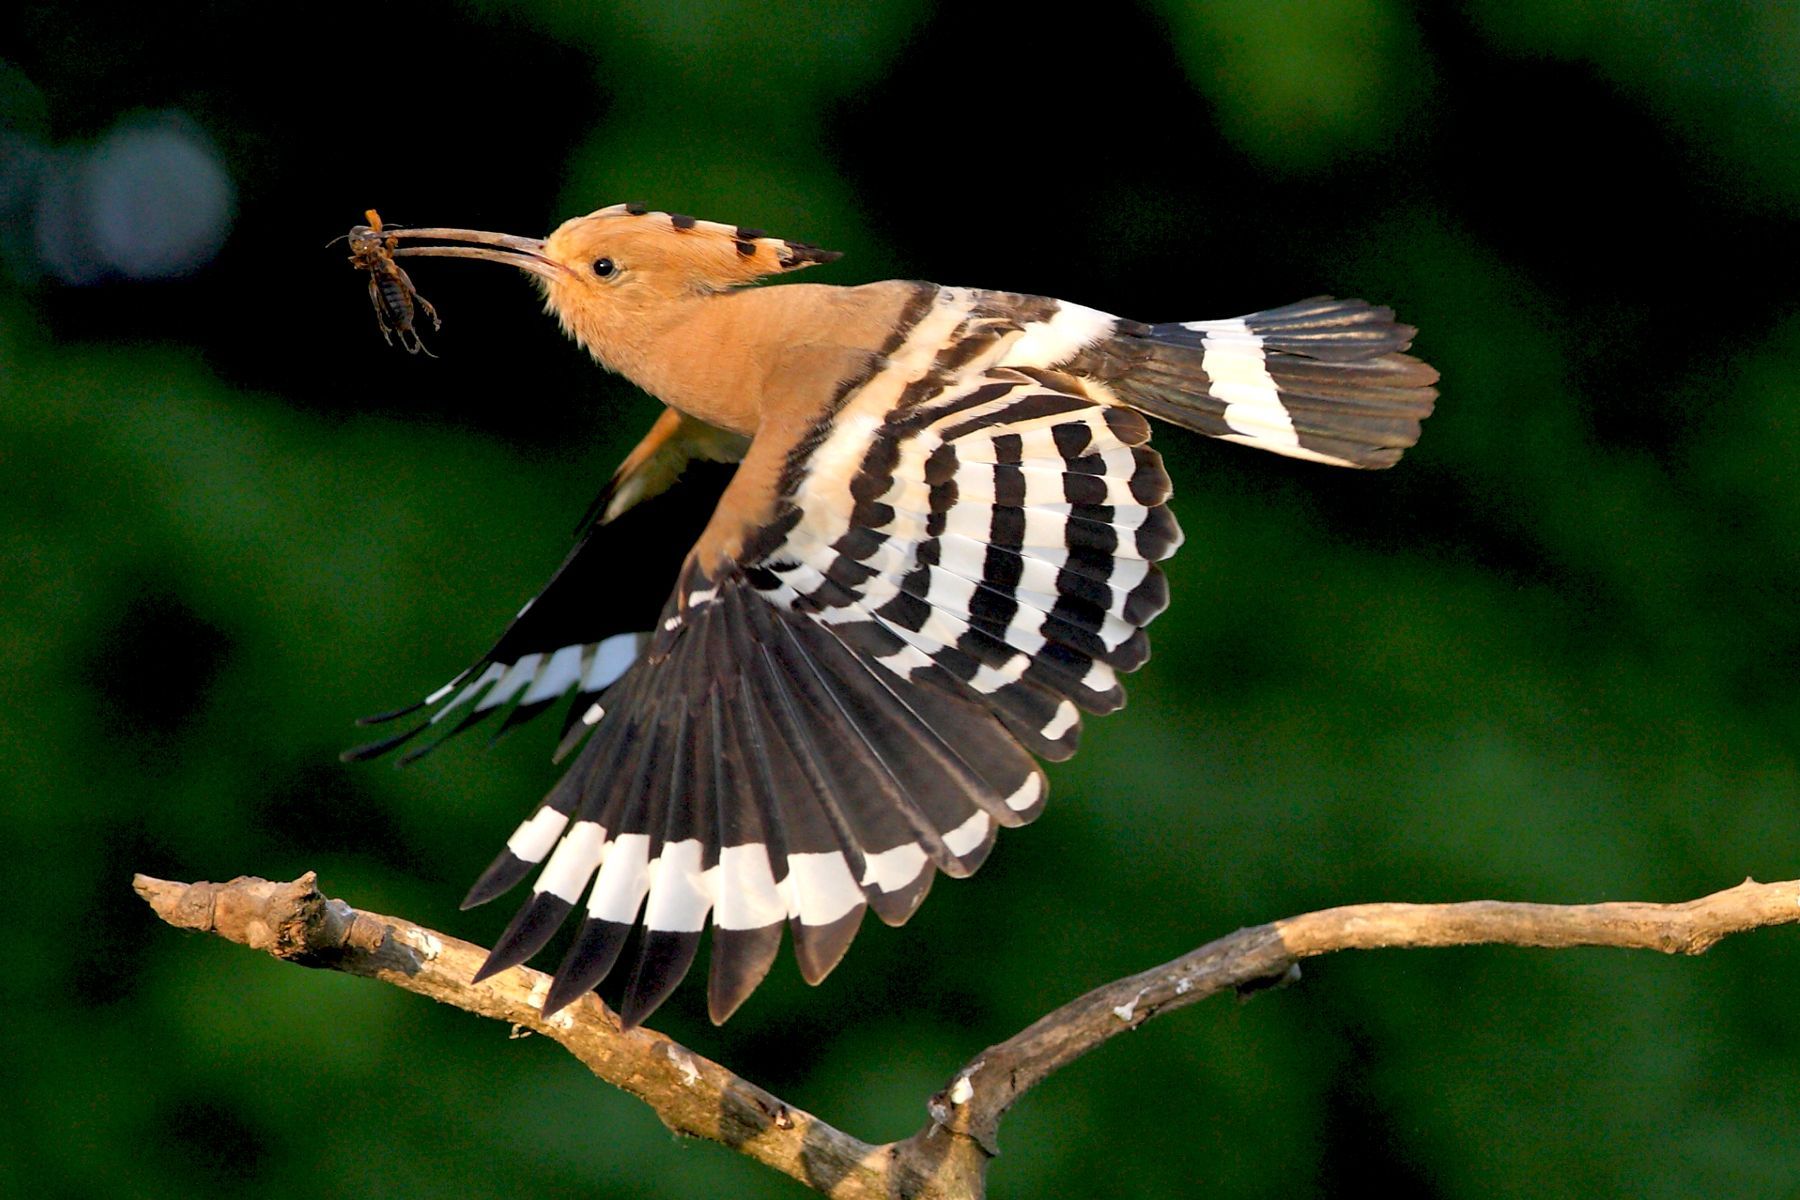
(938,548)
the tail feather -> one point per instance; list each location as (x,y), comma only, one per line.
(1333,330)
(1324,379)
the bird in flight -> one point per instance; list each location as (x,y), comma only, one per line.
(937,549)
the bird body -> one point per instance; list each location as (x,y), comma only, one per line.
(937,548)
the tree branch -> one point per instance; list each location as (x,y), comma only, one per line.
(947,1159)
(1269,956)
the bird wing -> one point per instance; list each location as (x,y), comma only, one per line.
(654,464)
(912,600)
(589,623)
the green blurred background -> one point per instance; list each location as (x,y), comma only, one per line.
(1551,656)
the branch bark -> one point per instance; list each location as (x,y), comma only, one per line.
(947,1158)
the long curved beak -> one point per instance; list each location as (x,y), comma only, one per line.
(527,254)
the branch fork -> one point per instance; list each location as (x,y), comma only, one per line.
(947,1158)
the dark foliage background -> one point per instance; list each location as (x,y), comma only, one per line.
(1552,656)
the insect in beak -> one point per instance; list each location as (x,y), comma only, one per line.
(391,291)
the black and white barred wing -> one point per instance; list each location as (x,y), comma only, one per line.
(581,633)
(853,706)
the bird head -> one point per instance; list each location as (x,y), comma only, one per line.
(613,269)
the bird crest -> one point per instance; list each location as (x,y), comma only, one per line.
(705,256)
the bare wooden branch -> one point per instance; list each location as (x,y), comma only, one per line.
(1269,955)
(947,1159)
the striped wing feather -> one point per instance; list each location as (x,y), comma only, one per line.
(855,706)
(575,637)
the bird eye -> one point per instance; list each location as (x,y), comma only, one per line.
(604,268)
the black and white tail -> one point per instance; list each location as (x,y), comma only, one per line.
(1325,380)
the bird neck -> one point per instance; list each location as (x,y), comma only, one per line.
(732,358)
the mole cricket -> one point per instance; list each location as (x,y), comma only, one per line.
(391,290)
